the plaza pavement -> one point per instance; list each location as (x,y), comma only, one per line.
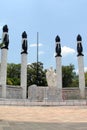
(43,118)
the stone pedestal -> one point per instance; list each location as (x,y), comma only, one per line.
(59,75)
(81,76)
(24,74)
(3,71)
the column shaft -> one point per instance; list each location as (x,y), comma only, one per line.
(24,74)
(59,72)
(81,76)
(59,75)
(3,71)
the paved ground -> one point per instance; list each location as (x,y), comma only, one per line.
(43,118)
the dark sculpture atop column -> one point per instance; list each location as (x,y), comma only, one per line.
(24,43)
(58,46)
(5,38)
(79,46)
(5,28)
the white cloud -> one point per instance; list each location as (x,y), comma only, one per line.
(67,50)
(35,45)
(28,63)
(76,71)
(41,52)
(0,27)
(85,69)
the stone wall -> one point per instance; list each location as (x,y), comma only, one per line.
(41,93)
(52,93)
(70,93)
(12,92)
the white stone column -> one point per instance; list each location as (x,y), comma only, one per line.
(59,76)
(58,66)
(24,65)
(3,71)
(4,49)
(59,72)
(24,74)
(81,76)
(81,66)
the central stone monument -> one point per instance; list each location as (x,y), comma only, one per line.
(54,91)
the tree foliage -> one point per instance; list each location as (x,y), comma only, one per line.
(86,79)
(13,74)
(69,77)
(14,71)
(36,74)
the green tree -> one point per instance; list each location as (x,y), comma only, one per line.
(69,77)
(75,81)
(13,74)
(32,74)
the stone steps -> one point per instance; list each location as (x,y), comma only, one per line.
(27,102)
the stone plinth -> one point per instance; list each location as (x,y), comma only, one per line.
(24,74)
(36,93)
(42,94)
(81,76)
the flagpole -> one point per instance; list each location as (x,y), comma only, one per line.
(37,55)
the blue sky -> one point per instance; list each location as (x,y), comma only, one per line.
(66,18)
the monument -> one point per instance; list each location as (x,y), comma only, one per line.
(4,49)
(81,66)
(52,92)
(58,65)
(24,64)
